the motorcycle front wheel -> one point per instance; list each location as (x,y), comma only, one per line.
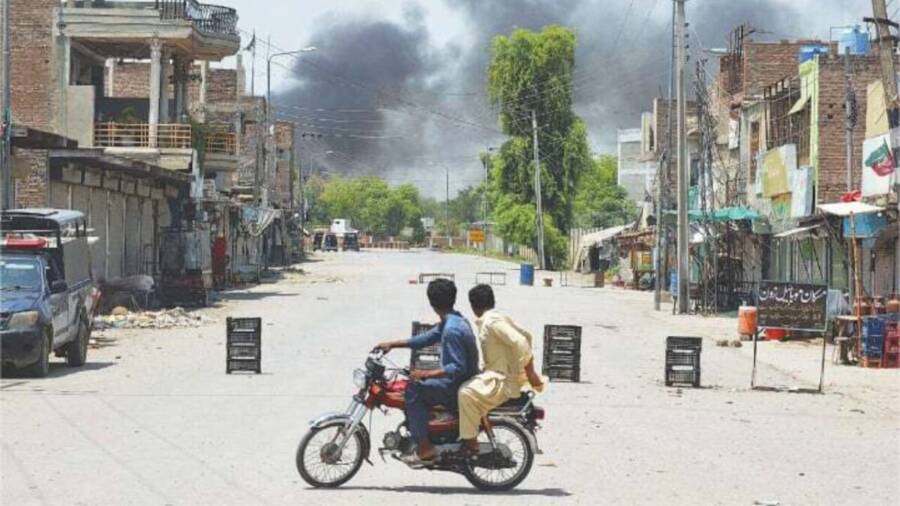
(515,446)
(322,463)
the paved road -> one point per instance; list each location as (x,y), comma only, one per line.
(153,419)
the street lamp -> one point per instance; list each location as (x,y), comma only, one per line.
(270,130)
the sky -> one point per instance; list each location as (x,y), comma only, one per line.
(397,87)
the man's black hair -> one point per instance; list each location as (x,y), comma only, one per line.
(481,297)
(442,294)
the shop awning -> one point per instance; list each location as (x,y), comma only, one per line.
(796,231)
(848,208)
(587,241)
(725,214)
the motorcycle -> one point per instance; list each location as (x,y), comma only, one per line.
(334,448)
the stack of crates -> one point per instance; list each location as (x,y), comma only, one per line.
(427,358)
(683,360)
(879,346)
(562,353)
(872,344)
(891,345)
(244,345)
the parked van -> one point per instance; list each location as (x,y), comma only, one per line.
(46,288)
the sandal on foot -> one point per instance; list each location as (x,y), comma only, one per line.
(413,460)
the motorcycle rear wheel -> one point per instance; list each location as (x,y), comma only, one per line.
(317,464)
(515,438)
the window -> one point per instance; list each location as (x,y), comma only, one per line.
(784,127)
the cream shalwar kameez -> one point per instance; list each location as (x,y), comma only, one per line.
(505,351)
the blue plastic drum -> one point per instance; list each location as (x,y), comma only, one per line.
(526,274)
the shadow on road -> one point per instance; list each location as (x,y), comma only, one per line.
(228,296)
(57,370)
(546,492)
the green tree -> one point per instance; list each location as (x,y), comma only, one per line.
(313,187)
(466,207)
(371,205)
(531,72)
(600,201)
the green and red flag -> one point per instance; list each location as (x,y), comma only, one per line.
(881,161)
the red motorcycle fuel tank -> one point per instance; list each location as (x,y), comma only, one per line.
(392,395)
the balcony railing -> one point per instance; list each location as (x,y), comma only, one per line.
(224,143)
(178,136)
(212,19)
(141,135)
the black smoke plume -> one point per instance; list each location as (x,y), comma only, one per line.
(380,97)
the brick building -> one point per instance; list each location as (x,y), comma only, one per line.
(778,113)
(129,164)
(35,102)
(285,193)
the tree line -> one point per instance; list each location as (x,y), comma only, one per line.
(530,85)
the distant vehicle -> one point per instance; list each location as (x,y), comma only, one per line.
(47,297)
(341,226)
(318,238)
(351,241)
(330,242)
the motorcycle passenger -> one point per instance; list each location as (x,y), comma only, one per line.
(508,366)
(459,362)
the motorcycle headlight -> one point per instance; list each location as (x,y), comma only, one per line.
(359,378)
(23,320)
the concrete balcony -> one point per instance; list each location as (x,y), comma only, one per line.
(167,145)
(221,152)
(221,143)
(142,135)
(113,29)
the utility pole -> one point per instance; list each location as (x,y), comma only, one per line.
(662,250)
(270,146)
(537,192)
(6,112)
(484,162)
(682,165)
(850,116)
(253,65)
(886,42)
(447,206)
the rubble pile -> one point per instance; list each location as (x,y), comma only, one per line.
(177,317)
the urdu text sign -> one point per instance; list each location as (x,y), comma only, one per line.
(792,306)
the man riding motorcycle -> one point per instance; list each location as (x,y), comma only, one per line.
(459,362)
(508,366)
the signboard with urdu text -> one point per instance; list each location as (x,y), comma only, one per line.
(476,235)
(792,306)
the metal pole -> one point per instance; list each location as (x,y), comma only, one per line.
(253,66)
(270,130)
(5,112)
(537,192)
(682,165)
(850,114)
(661,180)
(849,105)
(886,52)
(269,135)
(447,205)
(484,203)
